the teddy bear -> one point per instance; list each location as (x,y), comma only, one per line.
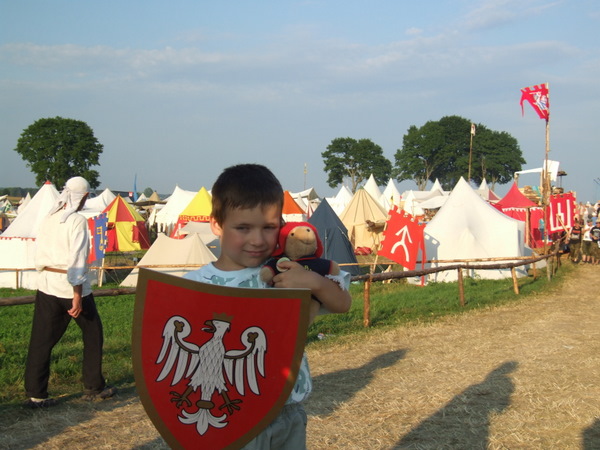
(299,242)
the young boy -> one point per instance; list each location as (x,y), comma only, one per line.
(247,200)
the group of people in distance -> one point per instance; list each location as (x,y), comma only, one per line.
(247,202)
(583,240)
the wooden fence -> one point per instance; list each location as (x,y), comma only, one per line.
(553,262)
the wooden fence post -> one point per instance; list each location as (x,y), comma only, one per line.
(367,303)
(513,272)
(461,287)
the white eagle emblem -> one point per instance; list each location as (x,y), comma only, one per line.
(206,367)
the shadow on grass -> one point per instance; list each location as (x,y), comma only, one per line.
(335,388)
(465,421)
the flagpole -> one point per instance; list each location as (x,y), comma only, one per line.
(546,172)
(470,155)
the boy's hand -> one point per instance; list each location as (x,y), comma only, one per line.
(334,299)
(293,275)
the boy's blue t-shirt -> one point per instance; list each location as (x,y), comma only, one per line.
(249,278)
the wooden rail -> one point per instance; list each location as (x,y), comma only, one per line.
(458,265)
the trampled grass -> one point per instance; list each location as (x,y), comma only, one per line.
(391,304)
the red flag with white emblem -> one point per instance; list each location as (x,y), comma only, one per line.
(537,96)
(402,239)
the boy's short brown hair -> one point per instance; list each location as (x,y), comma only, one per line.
(244,186)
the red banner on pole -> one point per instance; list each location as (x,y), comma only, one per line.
(537,96)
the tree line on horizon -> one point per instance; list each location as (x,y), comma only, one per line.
(57,149)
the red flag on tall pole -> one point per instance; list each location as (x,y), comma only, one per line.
(538,98)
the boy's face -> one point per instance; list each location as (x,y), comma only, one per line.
(248,236)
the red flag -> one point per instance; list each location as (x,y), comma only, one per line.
(402,239)
(537,96)
(561,213)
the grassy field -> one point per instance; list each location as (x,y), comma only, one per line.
(392,304)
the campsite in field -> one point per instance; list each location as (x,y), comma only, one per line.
(473,340)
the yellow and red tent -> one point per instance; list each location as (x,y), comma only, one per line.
(197,210)
(126,229)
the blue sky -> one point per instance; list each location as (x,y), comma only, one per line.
(176,91)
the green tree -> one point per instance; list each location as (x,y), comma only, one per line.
(148,192)
(356,160)
(496,157)
(441,149)
(418,158)
(57,149)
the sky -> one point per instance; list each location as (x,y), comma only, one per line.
(177,91)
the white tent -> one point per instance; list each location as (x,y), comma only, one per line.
(467,227)
(391,194)
(341,200)
(24,202)
(167,251)
(167,216)
(17,243)
(486,193)
(27,222)
(373,190)
(94,206)
(437,187)
(414,199)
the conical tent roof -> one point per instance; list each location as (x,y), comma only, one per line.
(197,210)
(126,228)
(24,203)
(334,236)
(28,221)
(392,194)
(291,211)
(514,198)
(166,251)
(339,202)
(361,208)
(372,188)
(154,197)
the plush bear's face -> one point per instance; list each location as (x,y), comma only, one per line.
(301,241)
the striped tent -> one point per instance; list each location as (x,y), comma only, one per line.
(126,228)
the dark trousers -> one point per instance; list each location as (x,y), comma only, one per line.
(50,321)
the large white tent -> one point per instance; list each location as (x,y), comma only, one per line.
(467,227)
(27,222)
(17,243)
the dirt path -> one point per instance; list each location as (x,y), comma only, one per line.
(519,376)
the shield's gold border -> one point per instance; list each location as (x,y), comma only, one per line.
(145,275)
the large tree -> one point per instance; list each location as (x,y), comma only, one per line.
(356,160)
(441,150)
(496,157)
(57,149)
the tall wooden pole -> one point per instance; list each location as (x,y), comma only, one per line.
(470,157)
(471,151)
(546,174)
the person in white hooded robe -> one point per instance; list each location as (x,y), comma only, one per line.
(64,293)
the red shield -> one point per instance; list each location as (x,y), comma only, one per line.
(214,365)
